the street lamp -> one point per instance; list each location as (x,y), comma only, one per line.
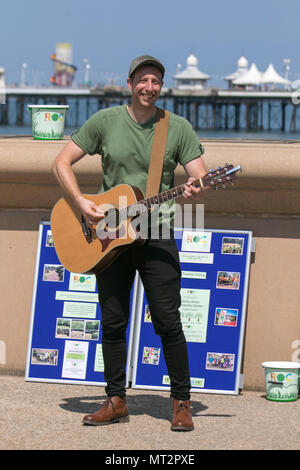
(287,69)
(23,81)
(87,69)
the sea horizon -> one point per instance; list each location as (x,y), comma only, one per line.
(201,133)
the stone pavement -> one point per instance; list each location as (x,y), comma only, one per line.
(45,416)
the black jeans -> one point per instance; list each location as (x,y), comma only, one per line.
(157,262)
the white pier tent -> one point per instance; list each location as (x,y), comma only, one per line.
(252,77)
(270,76)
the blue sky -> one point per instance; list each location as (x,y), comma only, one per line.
(111,33)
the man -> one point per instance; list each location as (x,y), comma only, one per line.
(123,136)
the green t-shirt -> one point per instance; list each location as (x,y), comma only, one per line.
(125,146)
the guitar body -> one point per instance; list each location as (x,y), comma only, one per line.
(81,250)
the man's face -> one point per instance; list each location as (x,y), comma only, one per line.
(145,85)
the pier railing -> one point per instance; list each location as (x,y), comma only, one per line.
(212,109)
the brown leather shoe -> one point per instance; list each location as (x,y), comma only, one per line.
(113,410)
(182,416)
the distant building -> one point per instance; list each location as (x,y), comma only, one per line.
(242,68)
(191,78)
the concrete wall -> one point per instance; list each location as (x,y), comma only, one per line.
(265,199)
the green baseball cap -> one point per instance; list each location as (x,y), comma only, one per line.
(145,60)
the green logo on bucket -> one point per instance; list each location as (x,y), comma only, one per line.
(53,117)
(280,378)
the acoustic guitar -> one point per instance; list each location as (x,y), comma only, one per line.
(84,250)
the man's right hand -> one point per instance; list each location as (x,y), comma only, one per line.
(91,213)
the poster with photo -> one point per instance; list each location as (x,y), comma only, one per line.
(220,362)
(226,316)
(151,355)
(44,357)
(49,239)
(232,246)
(54,273)
(77,329)
(228,280)
(147,316)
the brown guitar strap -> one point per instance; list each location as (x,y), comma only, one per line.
(158,152)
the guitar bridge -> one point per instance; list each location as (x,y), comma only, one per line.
(86,230)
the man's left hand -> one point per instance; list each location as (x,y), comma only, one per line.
(190,191)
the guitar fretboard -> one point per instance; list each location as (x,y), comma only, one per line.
(148,203)
(214,178)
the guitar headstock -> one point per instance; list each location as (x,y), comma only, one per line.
(221,176)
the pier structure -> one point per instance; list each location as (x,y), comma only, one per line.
(207,109)
(240,110)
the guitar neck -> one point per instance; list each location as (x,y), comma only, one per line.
(158,199)
(213,178)
(167,195)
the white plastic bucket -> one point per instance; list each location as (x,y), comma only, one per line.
(282,380)
(48,121)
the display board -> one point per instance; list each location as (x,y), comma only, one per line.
(65,328)
(215,271)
